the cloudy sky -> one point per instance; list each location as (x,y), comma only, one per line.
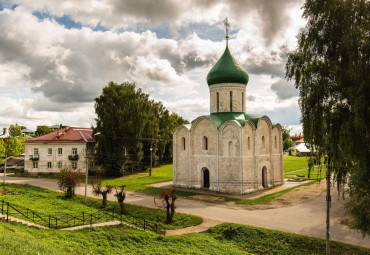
(56,56)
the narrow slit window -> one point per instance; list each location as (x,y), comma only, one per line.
(230,148)
(231,101)
(218,101)
(263,141)
(275,142)
(242,101)
(183,143)
(205,143)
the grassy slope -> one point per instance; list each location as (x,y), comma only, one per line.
(19,239)
(51,202)
(292,163)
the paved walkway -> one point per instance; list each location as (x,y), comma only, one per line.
(307,218)
(30,224)
(257,194)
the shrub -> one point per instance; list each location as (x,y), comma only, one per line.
(68,179)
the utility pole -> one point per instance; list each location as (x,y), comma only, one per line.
(86,173)
(328,205)
(151,149)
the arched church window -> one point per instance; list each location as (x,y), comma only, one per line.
(231,101)
(205,143)
(230,148)
(275,142)
(249,143)
(183,143)
(263,141)
(218,101)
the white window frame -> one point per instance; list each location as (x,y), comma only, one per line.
(74,164)
(74,151)
(60,164)
(35,164)
(50,165)
(35,151)
(50,151)
(60,151)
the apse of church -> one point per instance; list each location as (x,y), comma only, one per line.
(229,150)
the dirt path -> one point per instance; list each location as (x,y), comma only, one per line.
(206,224)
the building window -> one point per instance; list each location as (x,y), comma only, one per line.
(242,101)
(218,101)
(205,143)
(275,142)
(74,164)
(74,151)
(60,151)
(263,141)
(50,151)
(60,165)
(249,143)
(183,143)
(231,101)
(35,164)
(230,148)
(49,164)
(35,151)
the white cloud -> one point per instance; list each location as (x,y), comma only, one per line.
(66,68)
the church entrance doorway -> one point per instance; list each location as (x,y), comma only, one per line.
(264,177)
(205,178)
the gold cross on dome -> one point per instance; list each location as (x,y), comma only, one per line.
(227,25)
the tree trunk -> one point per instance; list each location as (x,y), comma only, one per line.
(104,194)
(122,205)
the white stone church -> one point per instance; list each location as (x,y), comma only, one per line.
(229,150)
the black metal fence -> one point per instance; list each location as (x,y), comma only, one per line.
(66,220)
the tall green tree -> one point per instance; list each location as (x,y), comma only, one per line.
(43,130)
(331,69)
(287,142)
(121,111)
(15,130)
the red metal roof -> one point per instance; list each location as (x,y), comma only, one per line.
(66,135)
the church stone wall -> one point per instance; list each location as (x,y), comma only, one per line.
(230,173)
(238,97)
(248,157)
(277,156)
(181,155)
(202,157)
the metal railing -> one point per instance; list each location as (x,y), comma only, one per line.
(66,220)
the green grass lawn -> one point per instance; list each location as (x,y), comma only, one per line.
(19,239)
(292,163)
(50,202)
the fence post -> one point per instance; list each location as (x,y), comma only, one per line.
(33,216)
(144,224)
(56,222)
(83,218)
(27,213)
(49,220)
(113,214)
(121,218)
(7,211)
(156,228)
(2,207)
(90,220)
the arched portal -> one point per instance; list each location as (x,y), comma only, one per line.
(205,178)
(264,177)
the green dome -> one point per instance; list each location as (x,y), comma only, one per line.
(227,70)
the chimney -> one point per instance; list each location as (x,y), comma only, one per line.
(4,131)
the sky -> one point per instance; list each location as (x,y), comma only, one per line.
(56,56)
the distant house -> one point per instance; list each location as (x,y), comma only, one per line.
(69,147)
(296,137)
(12,164)
(27,132)
(5,135)
(299,150)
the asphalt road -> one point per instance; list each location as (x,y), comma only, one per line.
(307,218)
